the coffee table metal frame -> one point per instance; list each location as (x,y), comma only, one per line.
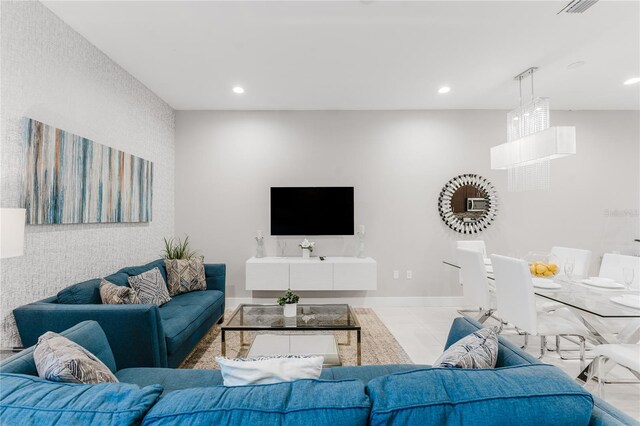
(353,325)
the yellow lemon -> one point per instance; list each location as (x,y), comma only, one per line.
(541,269)
(553,267)
(548,274)
(532,268)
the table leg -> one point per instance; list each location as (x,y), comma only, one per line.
(595,335)
(241,339)
(223,344)
(359,347)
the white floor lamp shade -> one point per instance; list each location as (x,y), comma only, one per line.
(12,232)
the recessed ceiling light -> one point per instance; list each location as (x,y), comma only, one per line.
(577,64)
(238,90)
(633,80)
(444,89)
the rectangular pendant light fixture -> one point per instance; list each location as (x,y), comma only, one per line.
(551,143)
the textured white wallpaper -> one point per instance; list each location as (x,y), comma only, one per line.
(52,74)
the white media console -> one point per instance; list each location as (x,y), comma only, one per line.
(333,273)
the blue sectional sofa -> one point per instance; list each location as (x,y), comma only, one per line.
(139,335)
(521,390)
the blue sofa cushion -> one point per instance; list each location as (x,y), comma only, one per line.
(525,395)
(367,373)
(28,400)
(132,271)
(170,379)
(119,278)
(81,293)
(183,314)
(301,403)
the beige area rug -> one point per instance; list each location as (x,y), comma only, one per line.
(378,344)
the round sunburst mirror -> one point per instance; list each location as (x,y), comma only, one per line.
(468,203)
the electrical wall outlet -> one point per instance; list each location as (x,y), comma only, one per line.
(396,275)
(409,274)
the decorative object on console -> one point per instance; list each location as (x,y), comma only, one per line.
(360,234)
(11,232)
(477,350)
(307,248)
(112,294)
(150,287)
(468,203)
(289,302)
(266,370)
(71,179)
(260,245)
(60,360)
(532,144)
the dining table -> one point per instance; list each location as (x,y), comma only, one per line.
(585,301)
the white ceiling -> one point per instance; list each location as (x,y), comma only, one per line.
(367,54)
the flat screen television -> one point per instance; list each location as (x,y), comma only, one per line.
(312,210)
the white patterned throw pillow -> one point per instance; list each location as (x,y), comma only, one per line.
(477,350)
(185,275)
(150,287)
(60,360)
(112,294)
(265,370)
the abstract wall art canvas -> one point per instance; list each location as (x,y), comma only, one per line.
(71,179)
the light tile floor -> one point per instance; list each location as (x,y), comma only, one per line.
(422,332)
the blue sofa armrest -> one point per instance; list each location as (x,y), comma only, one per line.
(216,275)
(134,332)
(87,334)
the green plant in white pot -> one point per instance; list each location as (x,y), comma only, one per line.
(289,302)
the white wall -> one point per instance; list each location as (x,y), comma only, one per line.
(398,162)
(52,74)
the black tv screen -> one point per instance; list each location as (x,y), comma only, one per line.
(312,211)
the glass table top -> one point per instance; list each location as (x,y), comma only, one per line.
(590,299)
(593,300)
(309,317)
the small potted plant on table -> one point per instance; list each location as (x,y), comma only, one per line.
(290,303)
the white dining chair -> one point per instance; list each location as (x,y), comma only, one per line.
(613,264)
(517,305)
(581,260)
(476,289)
(626,352)
(477,245)
(581,263)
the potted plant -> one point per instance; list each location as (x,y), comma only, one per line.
(290,303)
(177,249)
(307,248)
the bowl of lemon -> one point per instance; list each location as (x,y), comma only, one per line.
(542,265)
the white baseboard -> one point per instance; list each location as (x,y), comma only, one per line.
(367,302)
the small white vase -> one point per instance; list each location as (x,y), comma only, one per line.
(306,253)
(290,309)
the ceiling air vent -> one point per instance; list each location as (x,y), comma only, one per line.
(578,6)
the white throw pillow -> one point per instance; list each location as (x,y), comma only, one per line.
(264,370)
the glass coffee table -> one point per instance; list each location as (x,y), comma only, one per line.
(249,317)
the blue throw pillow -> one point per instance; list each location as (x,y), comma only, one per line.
(300,403)
(28,400)
(533,395)
(87,292)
